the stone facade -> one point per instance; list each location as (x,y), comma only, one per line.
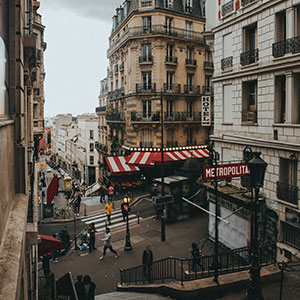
(256,88)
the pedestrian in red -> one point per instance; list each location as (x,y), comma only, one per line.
(111,192)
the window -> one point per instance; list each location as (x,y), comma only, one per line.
(147,80)
(170,108)
(146,109)
(169,25)
(147,24)
(91,134)
(188,6)
(91,160)
(188,26)
(190,81)
(226,62)
(37,92)
(280,23)
(189,109)
(35,111)
(249,101)
(169,3)
(280,99)
(296,100)
(170,51)
(146,3)
(146,138)
(250,54)
(227,104)
(91,147)
(147,52)
(190,136)
(3,78)
(189,53)
(170,80)
(171,138)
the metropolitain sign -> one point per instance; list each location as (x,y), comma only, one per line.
(226,171)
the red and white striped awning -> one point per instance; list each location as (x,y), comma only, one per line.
(144,159)
(118,166)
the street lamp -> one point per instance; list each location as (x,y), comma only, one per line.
(257,168)
(163,228)
(128,246)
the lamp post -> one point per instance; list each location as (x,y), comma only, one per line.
(257,168)
(128,246)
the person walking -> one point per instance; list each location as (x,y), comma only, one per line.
(125,208)
(196,257)
(108,210)
(77,202)
(92,233)
(79,286)
(46,264)
(102,193)
(147,262)
(89,288)
(111,192)
(108,244)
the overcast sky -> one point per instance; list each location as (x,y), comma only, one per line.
(76,34)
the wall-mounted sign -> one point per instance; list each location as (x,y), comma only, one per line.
(226,171)
(205,120)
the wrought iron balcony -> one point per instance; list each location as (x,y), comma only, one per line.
(172,88)
(283,47)
(227,8)
(190,62)
(249,57)
(246,2)
(146,59)
(208,64)
(145,116)
(171,60)
(145,88)
(207,89)
(226,63)
(182,116)
(249,116)
(290,234)
(116,117)
(100,109)
(192,89)
(287,192)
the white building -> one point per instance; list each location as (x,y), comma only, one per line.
(257,102)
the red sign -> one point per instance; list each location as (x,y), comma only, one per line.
(226,171)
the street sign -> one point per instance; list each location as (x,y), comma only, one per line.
(226,171)
(160,200)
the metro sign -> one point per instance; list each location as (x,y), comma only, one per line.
(226,171)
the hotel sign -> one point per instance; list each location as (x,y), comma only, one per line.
(205,120)
(226,171)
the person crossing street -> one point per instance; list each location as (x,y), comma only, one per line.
(108,244)
(108,210)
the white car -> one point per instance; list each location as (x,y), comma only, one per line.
(48,170)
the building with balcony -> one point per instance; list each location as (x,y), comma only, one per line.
(256,102)
(19,151)
(160,50)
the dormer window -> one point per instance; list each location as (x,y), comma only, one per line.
(169,3)
(188,6)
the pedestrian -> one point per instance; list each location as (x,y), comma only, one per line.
(79,286)
(55,253)
(196,257)
(107,244)
(125,208)
(102,193)
(111,192)
(46,264)
(89,288)
(147,262)
(108,210)
(77,202)
(92,232)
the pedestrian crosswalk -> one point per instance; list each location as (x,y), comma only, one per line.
(116,220)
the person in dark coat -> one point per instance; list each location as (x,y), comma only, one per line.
(89,288)
(92,233)
(196,257)
(77,202)
(79,286)
(46,264)
(125,208)
(147,262)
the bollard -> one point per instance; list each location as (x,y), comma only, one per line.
(84,212)
(138,216)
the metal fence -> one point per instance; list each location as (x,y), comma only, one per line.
(46,287)
(178,269)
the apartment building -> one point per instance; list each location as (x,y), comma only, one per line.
(256,104)
(19,46)
(157,49)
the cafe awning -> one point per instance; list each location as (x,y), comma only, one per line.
(49,244)
(118,166)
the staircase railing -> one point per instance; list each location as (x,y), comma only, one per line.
(186,269)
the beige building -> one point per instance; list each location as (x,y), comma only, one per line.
(18,150)
(157,49)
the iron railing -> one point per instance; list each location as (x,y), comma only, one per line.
(249,57)
(171,59)
(145,116)
(283,47)
(182,116)
(227,8)
(146,59)
(246,2)
(249,116)
(190,62)
(100,109)
(46,287)
(116,117)
(287,192)
(226,63)
(290,234)
(207,89)
(187,269)
(146,88)
(208,64)
(172,88)
(191,89)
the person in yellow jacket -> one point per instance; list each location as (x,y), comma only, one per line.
(108,210)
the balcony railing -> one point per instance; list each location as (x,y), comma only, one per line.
(146,88)
(101,147)
(290,234)
(100,109)
(171,60)
(191,89)
(172,88)
(145,116)
(207,90)
(226,63)
(116,117)
(182,116)
(246,2)
(287,192)
(208,64)
(249,116)
(190,62)
(249,57)
(283,47)
(116,93)
(146,59)
(227,8)
(154,30)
